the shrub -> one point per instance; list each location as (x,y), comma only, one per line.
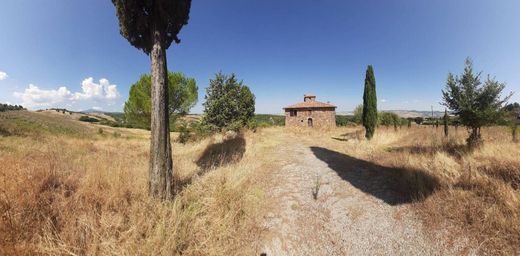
(88,119)
(184,134)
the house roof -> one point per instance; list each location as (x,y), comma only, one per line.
(310,104)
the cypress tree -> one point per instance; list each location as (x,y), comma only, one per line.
(152,26)
(445,120)
(370,103)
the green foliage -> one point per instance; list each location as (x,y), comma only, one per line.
(445,121)
(475,103)
(266,120)
(418,120)
(358,114)
(229,103)
(342,120)
(7,107)
(138,18)
(88,119)
(184,134)
(389,118)
(182,96)
(370,103)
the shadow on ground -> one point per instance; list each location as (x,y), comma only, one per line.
(221,154)
(355,135)
(215,155)
(392,185)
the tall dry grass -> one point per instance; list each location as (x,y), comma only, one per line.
(478,193)
(87,195)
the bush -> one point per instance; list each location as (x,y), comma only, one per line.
(88,119)
(184,134)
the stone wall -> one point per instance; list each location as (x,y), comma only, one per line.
(321,117)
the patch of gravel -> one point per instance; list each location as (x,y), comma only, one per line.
(346,218)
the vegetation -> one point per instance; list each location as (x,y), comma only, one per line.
(358,114)
(476,104)
(265,120)
(418,120)
(388,119)
(66,189)
(229,103)
(88,119)
(7,107)
(182,96)
(445,121)
(370,103)
(152,26)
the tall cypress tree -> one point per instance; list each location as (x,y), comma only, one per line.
(152,26)
(370,103)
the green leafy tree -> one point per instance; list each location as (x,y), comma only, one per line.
(229,104)
(476,104)
(182,92)
(358,114)
(389,118)
(152,25)
(370,103)
(445,122)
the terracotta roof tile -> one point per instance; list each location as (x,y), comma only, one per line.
(311,104)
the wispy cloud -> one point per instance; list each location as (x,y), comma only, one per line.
(3,75)
(383,100)
(34,97)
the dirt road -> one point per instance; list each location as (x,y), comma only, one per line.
(327,203)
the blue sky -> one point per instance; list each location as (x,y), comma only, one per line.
(62,53)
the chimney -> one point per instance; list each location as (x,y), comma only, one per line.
(308,97)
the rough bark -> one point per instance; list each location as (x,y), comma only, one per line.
(161,174)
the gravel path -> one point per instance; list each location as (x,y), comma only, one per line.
(354,212)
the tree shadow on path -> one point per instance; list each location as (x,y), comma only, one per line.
(392,185)
(215,155)
(221,154)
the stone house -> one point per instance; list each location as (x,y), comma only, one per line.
(310,113)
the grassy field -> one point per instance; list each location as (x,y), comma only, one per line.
(70,187)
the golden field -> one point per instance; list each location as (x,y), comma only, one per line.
(71,188)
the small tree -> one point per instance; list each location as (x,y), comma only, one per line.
(152,26)
(358,114)
(418,120)
(475,103)
(370,103)
(229,103)
(445,122)
(409,123)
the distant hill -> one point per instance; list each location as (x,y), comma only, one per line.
(402,113)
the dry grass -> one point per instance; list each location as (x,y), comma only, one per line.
(478,192)
(66,189)
(87,195)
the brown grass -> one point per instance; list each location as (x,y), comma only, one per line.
(66,189)
(478,195)
(87,195)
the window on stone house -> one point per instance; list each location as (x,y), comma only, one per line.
(292,112)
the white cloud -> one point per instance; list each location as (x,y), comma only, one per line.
(383,100)
(3,75)
(36,97)
(97,108)
(103,92)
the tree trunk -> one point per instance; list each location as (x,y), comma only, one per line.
(161,174)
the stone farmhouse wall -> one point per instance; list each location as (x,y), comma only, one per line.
(321,117)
